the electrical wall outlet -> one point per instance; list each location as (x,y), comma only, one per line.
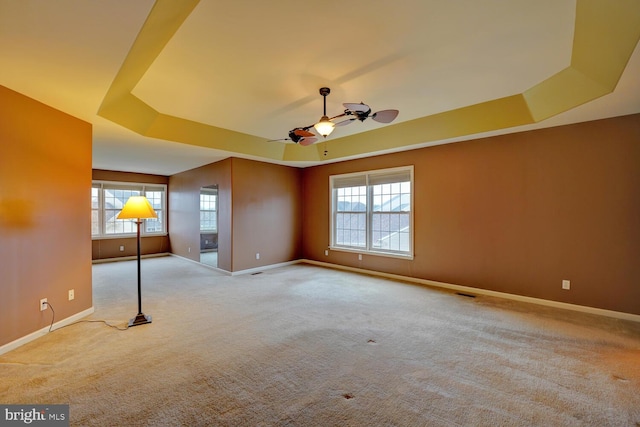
(326,252)
(359,257)
(257,255)
(121,248)
(43,304)
(72,294)
(566,284)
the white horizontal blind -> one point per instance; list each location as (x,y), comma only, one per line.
(344,181)
(403,175)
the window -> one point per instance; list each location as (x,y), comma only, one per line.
(108,199)
(373,212)
(209,210)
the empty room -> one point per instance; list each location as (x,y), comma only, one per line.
(413,213)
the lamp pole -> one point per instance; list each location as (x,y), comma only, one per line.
(140,318)
(139,222)
(138,207)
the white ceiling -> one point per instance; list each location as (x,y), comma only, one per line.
(256,67)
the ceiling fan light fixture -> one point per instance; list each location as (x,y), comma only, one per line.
(325,126)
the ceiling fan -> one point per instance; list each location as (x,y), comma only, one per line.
(324,127)
(362,112)
(300,136)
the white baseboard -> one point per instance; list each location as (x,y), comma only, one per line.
(265,267)
(468,289)
(210,267)
(241,272)
(37,334)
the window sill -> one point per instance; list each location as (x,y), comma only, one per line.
(128,236)
(408,257)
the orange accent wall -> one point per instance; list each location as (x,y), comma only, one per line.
(45,221)
(516,213)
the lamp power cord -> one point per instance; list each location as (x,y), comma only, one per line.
(53,317)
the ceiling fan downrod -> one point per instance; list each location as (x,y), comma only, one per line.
(324,91)
(325,126)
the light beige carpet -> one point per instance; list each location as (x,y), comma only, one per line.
(308,346)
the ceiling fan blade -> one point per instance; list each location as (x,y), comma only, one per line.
(303,132)
(385,116)
(345,122)
(307,141)
(357,107)
(346,113)
(285,140)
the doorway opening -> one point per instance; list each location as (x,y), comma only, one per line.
(209,225)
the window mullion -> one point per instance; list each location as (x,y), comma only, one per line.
(334,217)
(143,221)
(101,220)
(369,221)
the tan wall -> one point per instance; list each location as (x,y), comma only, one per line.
(267,214)
(45,217)
(184,211)
(259,212)
(145,178)
(102,249)
(515,213)
(110,248)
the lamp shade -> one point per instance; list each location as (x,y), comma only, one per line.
(324,126)
(137,207)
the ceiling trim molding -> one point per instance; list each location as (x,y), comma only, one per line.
(605,36)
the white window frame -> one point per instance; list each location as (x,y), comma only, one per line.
(131,186)
(369,179)
(213,193)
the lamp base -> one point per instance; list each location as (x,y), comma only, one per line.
(140,319)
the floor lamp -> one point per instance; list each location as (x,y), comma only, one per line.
(138,207)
